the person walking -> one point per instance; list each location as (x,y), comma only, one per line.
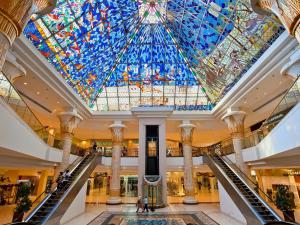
(139,204)
(146,204)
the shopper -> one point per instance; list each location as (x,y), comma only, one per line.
(66,177)
(59,180)
(146,204)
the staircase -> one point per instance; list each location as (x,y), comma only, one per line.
(54,205)
(255,210)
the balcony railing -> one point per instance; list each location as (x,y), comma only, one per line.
(289,100)
(12,97)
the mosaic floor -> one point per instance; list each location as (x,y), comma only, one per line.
(191,218)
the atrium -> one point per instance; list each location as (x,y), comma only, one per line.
(149,112)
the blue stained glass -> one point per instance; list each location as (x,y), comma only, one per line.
(98,45)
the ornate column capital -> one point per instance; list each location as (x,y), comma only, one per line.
(235,122)
(14,15)
(69,121)
(12,69)
(187,129)
(117,129)
(288,12)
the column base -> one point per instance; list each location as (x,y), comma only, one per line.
(190,200)
(114,201)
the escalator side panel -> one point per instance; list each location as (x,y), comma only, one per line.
(66,200)
(238,198)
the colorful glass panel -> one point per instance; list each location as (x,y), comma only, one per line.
(117,54)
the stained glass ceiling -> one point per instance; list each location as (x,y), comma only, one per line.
(185,54)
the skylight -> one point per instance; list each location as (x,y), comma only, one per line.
(152,8)
(117,54)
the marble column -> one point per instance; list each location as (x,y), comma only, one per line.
(235,123)
(14,15)
(42,182)
(288,12)
(68,122)
(117,139)
(186,138)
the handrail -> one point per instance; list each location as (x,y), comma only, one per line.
(247,177)
(37,198)
(230,163)
(256,185)
(209,155)
(240,172)
(7,95)
(69,189)
(74,164)
(278,105)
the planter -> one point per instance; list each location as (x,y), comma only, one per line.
(289,216)
(18,217)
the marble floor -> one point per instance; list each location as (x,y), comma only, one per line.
(210,209)
(158,218)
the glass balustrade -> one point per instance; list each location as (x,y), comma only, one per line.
(289,100)
(11,96)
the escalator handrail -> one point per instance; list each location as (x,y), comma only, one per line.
(37,207)
(254,192)
(249,179)
(32,203)
(258,216)
(74,164)
(69,189)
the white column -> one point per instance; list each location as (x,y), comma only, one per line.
(186,138)
(235,123)
(68,122)
(117,139)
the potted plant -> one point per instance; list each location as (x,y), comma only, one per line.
(285,202)
(23,203)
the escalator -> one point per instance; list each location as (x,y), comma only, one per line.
(255,210)
(55,204)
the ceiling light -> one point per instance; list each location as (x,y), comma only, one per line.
(37,92)
(57,102)
(25,83)
(245,102)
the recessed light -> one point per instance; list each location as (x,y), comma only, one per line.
(37,92)
(245,102)
(25,83)
(57,102)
